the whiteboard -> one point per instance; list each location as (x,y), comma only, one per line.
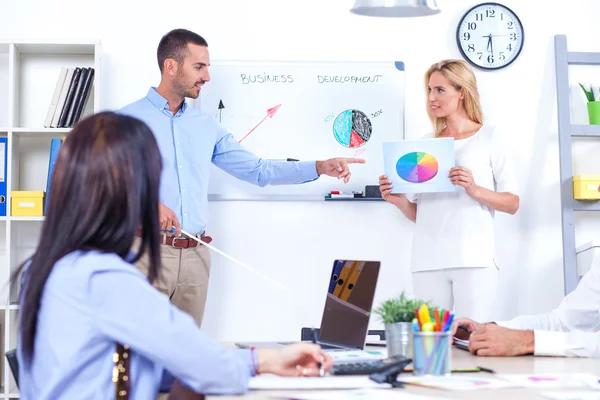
(305,111)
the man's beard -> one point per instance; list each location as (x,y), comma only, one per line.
(184,89)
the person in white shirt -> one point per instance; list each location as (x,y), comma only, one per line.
(453,245)
(570,330)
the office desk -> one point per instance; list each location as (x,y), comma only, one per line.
(463,359)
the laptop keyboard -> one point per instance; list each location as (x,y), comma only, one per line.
(324,346)
(330,347)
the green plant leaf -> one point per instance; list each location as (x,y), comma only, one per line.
(400,309)
(589,94)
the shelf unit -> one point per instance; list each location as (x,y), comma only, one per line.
(566,131)
(29,69)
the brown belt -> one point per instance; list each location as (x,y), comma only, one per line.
(181,242)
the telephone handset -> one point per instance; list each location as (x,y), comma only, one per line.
(389,374)
(382,371)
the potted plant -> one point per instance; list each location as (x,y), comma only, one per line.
(397,314)
(593,105)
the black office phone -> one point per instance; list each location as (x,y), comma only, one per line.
(370,367)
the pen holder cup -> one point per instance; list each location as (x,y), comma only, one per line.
(431,353)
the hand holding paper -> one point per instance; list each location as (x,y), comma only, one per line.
(464,177)
(385,187)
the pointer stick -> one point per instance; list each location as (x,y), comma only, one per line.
(236,261)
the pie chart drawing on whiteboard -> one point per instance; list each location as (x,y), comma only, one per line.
(352,128)
(417,167)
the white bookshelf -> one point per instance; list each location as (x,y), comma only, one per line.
(29,70)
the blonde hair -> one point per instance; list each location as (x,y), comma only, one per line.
(462,78)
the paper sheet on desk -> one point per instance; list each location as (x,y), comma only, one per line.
(361,394)
(570,395)
(553,381)
(274,382)
(454,382)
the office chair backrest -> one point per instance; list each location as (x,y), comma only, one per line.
(11,357)
(179,392)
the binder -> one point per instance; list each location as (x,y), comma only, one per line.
(69,99)
(55,97)
(337,268)
(54,149)
(62,97)
(352,280)
(81,99)
(344,274)
(3,175)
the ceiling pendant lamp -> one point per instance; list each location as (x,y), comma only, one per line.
(395,8)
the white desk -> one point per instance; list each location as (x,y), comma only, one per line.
(463,359)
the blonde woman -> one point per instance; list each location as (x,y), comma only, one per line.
(453,245)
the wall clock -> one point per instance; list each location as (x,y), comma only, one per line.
(490,36)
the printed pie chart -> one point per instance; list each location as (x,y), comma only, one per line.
(352,128)
(417,167)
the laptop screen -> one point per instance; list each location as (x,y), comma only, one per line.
(349,302)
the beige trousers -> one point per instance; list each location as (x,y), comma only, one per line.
(184,276)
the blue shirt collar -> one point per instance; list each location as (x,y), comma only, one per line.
(161,103)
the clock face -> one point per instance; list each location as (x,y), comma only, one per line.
(490,36)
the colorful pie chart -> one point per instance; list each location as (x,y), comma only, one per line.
(352,128)
(417,167)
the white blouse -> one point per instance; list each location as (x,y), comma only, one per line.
(453,230)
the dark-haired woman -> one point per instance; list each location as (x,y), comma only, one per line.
(82,296)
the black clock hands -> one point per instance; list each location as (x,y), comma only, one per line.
(490,45)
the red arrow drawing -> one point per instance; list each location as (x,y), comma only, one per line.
(270,112)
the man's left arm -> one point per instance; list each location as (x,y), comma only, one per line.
(570,330)
(493,340)
(232,158)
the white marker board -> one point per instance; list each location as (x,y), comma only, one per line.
(306,111)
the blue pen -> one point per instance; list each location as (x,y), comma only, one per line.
(448,323)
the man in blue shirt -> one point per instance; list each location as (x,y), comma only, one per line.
(189,141)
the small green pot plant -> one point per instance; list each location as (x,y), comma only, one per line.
(399,309)
(589,94)
(593,105)
(397,314)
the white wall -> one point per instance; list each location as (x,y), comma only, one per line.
(296,242)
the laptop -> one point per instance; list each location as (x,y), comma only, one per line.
(349,300)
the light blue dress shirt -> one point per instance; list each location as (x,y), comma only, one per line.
(93,300)
(189,141)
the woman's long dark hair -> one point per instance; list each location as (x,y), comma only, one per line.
(105,187)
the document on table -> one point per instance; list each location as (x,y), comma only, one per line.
(461,343)
(553,381)
(362,394)
(274,382)
(456,382)
(571,395)
(502,381)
